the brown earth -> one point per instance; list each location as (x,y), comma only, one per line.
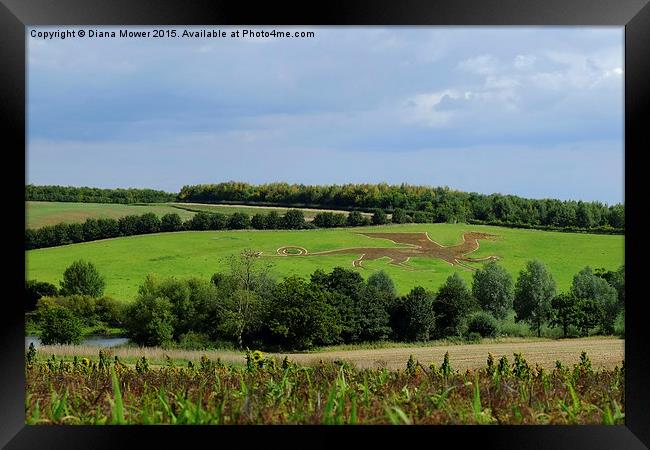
(604,353)
(420,245)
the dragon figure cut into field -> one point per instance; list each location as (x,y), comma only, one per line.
(419,245)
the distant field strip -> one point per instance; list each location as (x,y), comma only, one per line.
(309,213)
(126,261)
(604,353)
(40,214)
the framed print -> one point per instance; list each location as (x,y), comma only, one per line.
(315,218)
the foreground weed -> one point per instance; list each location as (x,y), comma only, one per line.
(117,406)
(334,393)
(396,416)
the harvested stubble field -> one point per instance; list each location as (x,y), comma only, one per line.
(223,208)
(267,392)
(126,261)
(605,353)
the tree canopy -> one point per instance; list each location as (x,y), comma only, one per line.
(82,278)
(534,291)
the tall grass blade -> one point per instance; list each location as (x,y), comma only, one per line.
(117,406)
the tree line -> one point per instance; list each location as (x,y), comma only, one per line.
(294,219)
(406,203)
(95,195)
(105,228)
(246,306)
(421,203)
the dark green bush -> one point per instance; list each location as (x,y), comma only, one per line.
(482,323)
(59,326)
(34,290)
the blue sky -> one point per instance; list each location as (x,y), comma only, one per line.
(534,111)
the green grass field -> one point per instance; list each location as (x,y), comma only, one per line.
(40,214)
(126,261)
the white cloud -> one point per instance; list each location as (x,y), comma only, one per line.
(424,109)
(615,72)
(524,62)
(579,70)
(502,83)
(445,107)
(531,83)
(481,65)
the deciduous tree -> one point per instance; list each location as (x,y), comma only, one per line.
(534,291)
(82,278)
(454,302)
(492,287)
(59,326)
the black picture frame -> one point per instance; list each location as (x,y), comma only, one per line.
(634,15)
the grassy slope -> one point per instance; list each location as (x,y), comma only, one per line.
(126,261)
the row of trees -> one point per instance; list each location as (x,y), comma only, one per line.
(430,204)
(105,228)
(410,203)
(95,195)
(246,306)
(332,220)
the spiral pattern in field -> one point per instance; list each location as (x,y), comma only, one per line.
(291,250)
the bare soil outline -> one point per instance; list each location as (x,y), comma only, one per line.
(417,244)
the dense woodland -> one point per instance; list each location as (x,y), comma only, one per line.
(431,204)
(95,195)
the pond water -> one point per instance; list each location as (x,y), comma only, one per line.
(95,340)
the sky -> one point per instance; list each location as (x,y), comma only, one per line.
(530,111)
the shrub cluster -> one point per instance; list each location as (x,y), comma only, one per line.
(341,307)
(245,306)
(60,315)
(103,312)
